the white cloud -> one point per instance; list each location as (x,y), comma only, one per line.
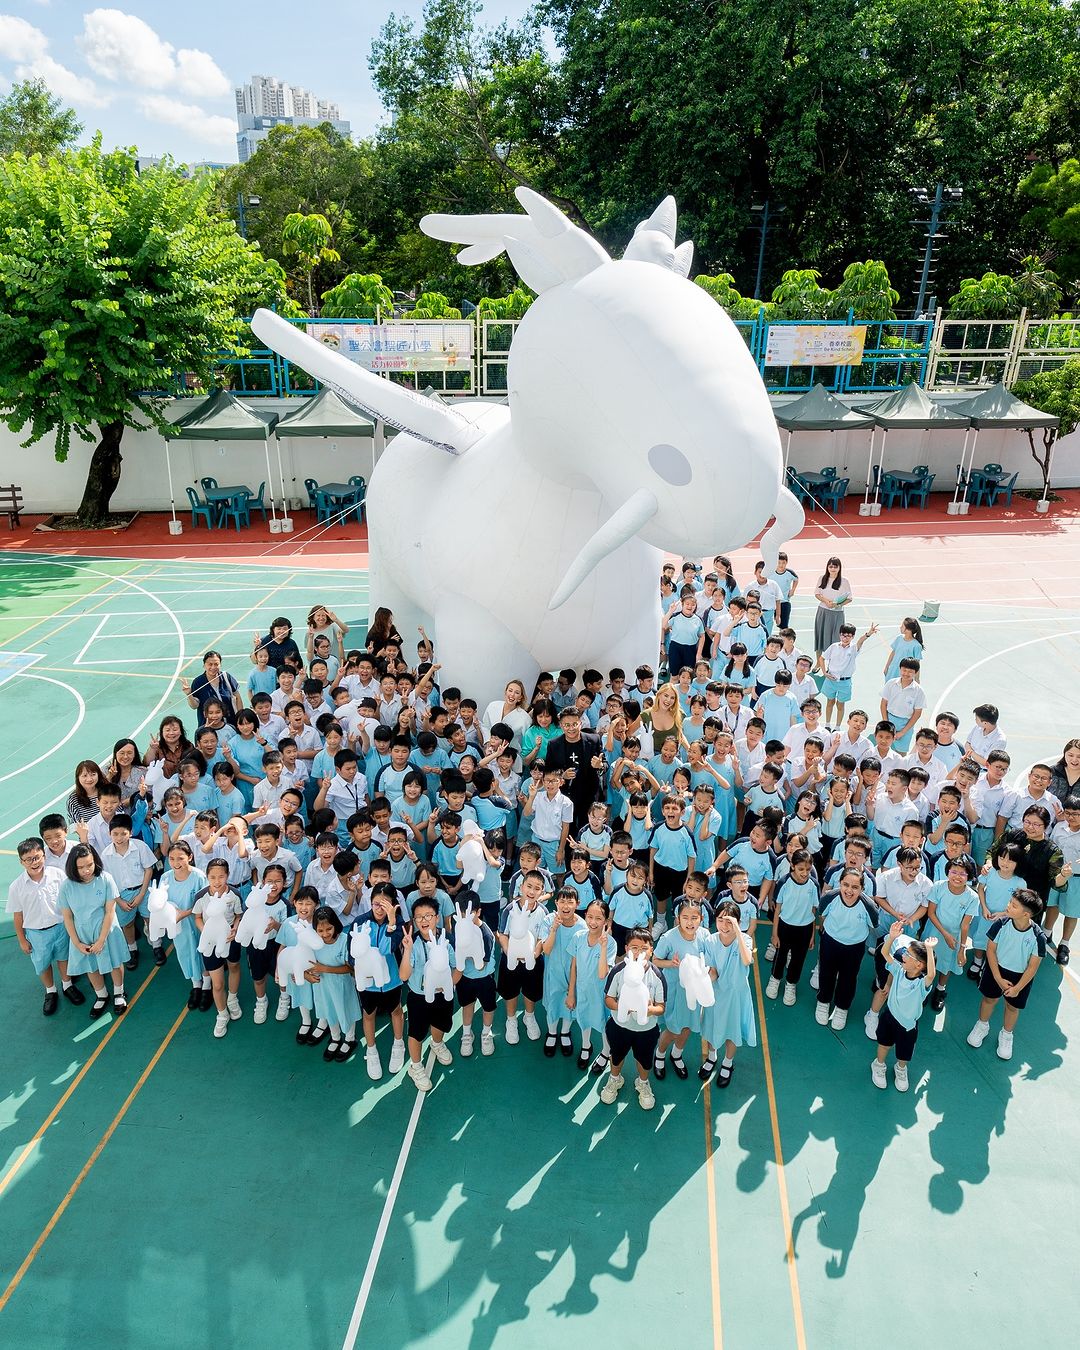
(199,124)
(29,48)
(120,46)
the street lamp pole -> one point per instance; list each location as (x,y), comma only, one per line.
(938,206)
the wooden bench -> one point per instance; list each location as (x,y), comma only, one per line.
(11,500)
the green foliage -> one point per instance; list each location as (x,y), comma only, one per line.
(512,306)
(1055,217)
(432,305)
(307,239)
(1055,391)
(991,296)
(866,291)
(722,289)
(34,122)
(800,296)
(358,297)
(112,281)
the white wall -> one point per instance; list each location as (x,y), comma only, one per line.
(48,486)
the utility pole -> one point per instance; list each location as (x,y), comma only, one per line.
(766,213)
(241,217)
(943,199)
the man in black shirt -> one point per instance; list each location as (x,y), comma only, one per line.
(579,756)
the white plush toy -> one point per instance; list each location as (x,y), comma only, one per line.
(216,927)
(468,940)
(437,977)
(470,855)
(522,945)
(293,961)
(694,978)
(633,405)
(252,931)
(369,965)
(634,994)
(163,921)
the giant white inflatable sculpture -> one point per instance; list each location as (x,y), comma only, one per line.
(531,536)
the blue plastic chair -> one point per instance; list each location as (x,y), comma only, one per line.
(798,488)
(977,488)
(256,502)
(874,474)
(1005,489)
(356,501)
(891,491)
(312,491)
(208,483)
(325,506)
(236,510)
(198,509)
(829,471)
(833,495)
(920,492)
(992,468)
(358,480)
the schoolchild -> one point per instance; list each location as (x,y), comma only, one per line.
(557,947)
(911,973)
(1015,947)
(33,903)
(627,1033)
(336,1004)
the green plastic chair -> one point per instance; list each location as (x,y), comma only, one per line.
(198,509)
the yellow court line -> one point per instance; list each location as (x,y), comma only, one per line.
(63,608)
(781,1180)
(13,1170)
(114,674)
(714,1228)
(58,1213)
(262,601)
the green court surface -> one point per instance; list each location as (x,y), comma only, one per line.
(158,1187)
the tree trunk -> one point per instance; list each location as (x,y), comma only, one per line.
(103,477)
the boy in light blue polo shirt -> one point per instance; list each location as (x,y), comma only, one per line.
(911,976)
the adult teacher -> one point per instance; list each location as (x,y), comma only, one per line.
(833,594)
(579,756)
(510,710)
(213,683)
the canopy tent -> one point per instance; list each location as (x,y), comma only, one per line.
(817,410)
(222,417)
(909,408)
(330,417)
(997,409)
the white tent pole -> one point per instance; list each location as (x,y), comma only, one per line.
(963,457)
(168,470)
(870,462)
(270,478)
(787,455)
(881,465)
(971,460)
(281,476)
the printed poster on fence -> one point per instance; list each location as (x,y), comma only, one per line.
(801,344)
(400,345)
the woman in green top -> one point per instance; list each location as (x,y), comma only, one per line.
(534,740)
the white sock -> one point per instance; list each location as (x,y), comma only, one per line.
(52,989)
(196,984)
(207,983)
(586,1039)
(564,1026)
(118,988)
(398,1041)
(511,1017)
(728,1061)
(64,984)
(305,1017)
(133,946)
(335,1032)
(604,1045)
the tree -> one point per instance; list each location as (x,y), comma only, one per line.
(358,297)
(722,289)
(432,305)
(512,306)
(112,282)
(991,296)
(1055,217)
(34,122)
(307,239)
(800,296)
(866,292)
(1052,391)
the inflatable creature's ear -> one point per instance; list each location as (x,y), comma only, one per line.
(788,521)
(545,247)
(654,241)
(393,404)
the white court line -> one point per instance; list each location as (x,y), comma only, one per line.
(993,656)
(89,641)
(62,684)
(49,562)
(384,1218)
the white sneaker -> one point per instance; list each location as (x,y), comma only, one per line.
(466,1042)
(789,995)
(262,1007)
(772,988)
(645,1093)
(397,1056)
(814,974)
(659,925)
(487,1041)
(442,1052)
(284,1004)
(839,1019)
(978,1034)
(821,1014)
(232,1003)
(1005,1045)
(900,1077)
(532,1027)
(418,1074)
(610,1090)
(374,1063)
(512,1033)
(770,951)
(870,1022)
(221,1025)
(877,1074)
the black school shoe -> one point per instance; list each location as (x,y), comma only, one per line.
(159,955)
(303,1035)
(659,1067)
(345,1051)
(132,963)
(706,1070)
(600,1065)
(723,1075)
(937,998)
(551,1042)
(1063,953)
(193,999)
(119,1004)
(331,1051)
(99,1005)
(317,1035)
(52,1002)
(74,995)
(566,1044)
(206,1000)
(679,1065)
(584,1056)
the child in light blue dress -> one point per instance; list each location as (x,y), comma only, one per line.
(951,907)
(909,643)
(591,958)
(184,882)
(730,1021)
(558,944)
(299,996)
(994,890)
(689,937)
(336,1001)
(87,899)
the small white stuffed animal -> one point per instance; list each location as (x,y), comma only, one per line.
(293,961)
(634,994)
(216,927)
(437,977)
(369,965)
(252,931)
(694,978)
(163,921)
(468,940)
(522,946)
(470,855)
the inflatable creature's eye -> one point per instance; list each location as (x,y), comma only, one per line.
(671,465)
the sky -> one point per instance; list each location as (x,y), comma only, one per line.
(160,76)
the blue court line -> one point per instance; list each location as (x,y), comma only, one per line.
(14,663)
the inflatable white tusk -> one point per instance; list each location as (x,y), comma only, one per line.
(615,531)
(788,521)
